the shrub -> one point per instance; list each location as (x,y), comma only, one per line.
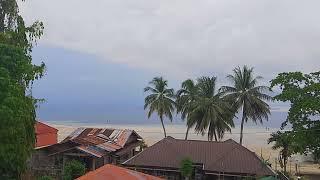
(73,169)
(186,167)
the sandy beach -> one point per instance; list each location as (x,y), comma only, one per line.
(255,139)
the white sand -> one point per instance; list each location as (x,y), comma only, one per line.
(255,139)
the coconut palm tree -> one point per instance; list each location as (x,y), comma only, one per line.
(185,97)
(245,94)
(210,110)
(160,100)
(283,141)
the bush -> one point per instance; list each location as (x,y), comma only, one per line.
(186,167)
(73,169)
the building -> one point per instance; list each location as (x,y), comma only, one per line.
(112,172)
(94,147)
(211,160)
(45,135)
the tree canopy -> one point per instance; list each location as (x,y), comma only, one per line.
(17,106)
(282,141)
(302,91)
(160,100)
(205,108)
(248,96)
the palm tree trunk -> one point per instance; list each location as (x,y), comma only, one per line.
(285,164)
(215,135)
(164,129)
(242,122)
(186,138)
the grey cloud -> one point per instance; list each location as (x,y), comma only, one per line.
(186,37)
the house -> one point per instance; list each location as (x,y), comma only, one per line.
(94,147)
(45,135)
(211,160)
(112,172)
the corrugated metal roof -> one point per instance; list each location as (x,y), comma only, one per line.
(91,150)
(107,139)
(224,157)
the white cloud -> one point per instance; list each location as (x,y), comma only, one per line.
(186,37)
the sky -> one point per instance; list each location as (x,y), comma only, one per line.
(101,53)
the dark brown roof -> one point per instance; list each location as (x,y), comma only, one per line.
(216,157)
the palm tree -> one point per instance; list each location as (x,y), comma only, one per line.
(210,110)
(185,97)
(283,141)
(160,100)
(247,95)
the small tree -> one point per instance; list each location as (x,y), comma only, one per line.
(73,169)
(186,168)
(283,141)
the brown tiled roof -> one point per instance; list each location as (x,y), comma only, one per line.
(112,172)
(216,157)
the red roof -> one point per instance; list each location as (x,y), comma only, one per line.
(113,172)
(42,128)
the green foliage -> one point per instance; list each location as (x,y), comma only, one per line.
(17,106)
(303,93)
(186,167)
(17,112)
(204,108)
(73,169)
(45,178)
(13,30)
(186,96)
(283,141)
(248,96)
(160,100)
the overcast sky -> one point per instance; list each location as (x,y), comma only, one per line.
(175,38)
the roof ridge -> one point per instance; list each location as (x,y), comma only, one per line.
(148,148)
(47,125)
(203,140)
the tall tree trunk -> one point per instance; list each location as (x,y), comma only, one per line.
(186,138)
(164,129)
(242,122)
(285,164)
(215,135)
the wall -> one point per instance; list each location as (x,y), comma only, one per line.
(46,139)
(41,164)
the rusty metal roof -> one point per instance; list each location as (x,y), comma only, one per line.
(97,140)
(216,157)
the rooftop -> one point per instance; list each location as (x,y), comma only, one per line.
(96,141)
(216,157)
(42,128)
(113,172)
